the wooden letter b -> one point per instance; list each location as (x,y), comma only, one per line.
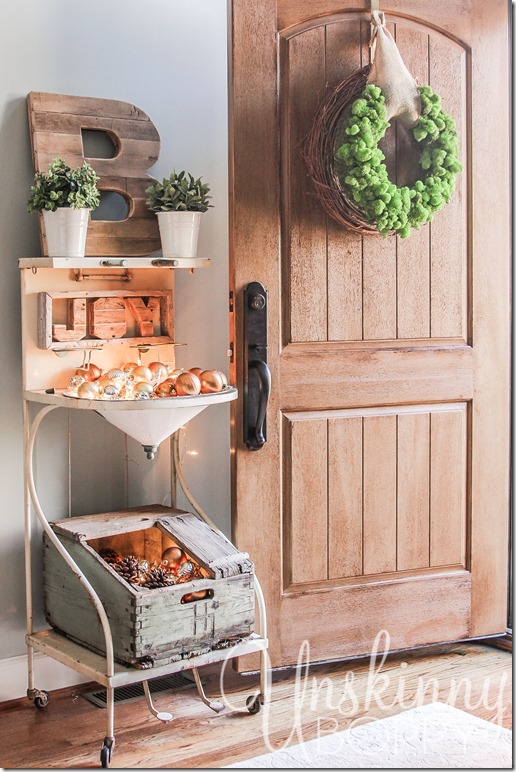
(56,122)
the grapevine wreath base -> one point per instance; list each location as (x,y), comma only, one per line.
(348,168)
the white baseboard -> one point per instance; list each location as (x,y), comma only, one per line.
(48,674)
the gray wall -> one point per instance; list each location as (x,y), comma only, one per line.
(168,57)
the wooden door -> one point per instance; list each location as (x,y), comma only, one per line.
(380,500)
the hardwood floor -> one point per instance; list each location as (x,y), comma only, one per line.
(68,733)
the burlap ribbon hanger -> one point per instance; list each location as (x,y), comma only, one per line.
(388,71)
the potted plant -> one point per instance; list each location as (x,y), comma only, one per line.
(65,197)
(179,202)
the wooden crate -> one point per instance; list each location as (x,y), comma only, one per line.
(149,626)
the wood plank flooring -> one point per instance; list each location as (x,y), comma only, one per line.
(68,733)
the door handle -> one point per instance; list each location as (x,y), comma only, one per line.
(257,376)
(257,438)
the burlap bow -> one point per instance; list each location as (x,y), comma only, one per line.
(388,71)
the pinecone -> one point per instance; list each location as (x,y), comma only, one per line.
(128,569)
(109,555)
(157,577)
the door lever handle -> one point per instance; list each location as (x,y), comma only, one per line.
(256,436)
(257,376)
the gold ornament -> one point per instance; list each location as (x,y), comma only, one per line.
(104,381)
(173,372)
(187,384)
(117,376)
(128,367)
(166,388)
(224,379)
(143,387)
(141,374)
(211,381)
(89,372)
(174,555)
(159,371)
(88,390)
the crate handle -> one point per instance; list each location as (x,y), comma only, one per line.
(196,595)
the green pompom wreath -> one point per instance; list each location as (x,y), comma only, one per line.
(364,176)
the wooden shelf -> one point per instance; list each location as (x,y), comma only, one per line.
(93,666)
(113,262)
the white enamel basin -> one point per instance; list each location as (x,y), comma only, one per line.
(152,421)
(151,427)
(146,421)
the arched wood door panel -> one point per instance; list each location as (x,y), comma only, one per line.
(341,286)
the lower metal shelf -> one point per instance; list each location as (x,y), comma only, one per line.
(93,666)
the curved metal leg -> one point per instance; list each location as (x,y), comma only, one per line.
(218,707)
(109,740)
(161,715)
(57,544)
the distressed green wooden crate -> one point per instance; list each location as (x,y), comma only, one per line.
(148,626)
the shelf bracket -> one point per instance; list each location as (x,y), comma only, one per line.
(81,275)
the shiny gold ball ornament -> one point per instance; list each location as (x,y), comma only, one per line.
(187,385)
(143,387)
(224,379)
(140,374)
(88,390)
(115,373)
(118,376)
(174,555)
(128,367)
(211,381)
(104,381)
(173,372)
(90,373)
(166,388)
(159,371)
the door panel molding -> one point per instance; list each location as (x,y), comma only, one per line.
(381,491)
(434,607)
(327,377)
(374,580)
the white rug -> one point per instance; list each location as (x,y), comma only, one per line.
(437,736)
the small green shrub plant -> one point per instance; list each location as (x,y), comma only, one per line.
(179,193)
(63,186)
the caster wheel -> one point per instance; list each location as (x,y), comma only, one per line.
(42,700)
(105,757)
(253,704)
